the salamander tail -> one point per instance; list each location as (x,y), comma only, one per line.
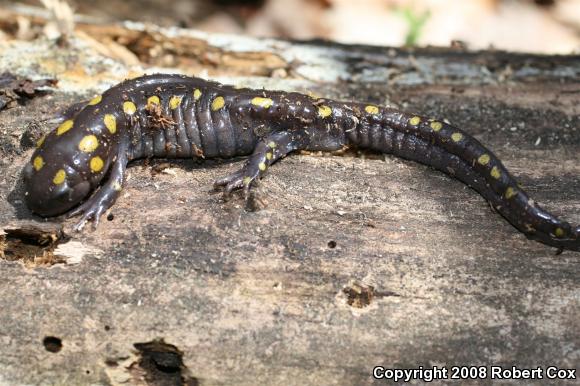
(455,152)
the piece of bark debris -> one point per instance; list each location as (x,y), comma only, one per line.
(33,244)
(15,89)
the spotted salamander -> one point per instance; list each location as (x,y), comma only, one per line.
(79,167)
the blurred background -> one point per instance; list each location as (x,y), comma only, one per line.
(543,26)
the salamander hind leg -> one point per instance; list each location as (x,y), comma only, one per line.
(268,150)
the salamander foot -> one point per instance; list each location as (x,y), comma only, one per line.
(241,179)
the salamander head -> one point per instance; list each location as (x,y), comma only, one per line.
(47,196)
(64,170)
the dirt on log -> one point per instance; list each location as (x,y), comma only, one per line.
(341,263)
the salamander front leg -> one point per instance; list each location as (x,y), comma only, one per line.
(270,149)
(105,197)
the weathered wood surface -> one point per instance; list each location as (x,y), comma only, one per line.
(258,297)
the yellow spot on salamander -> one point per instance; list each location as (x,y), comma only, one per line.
(218,103)
(372,109)
(510,192)
(262,166)
(88,144)
(559,232)
(153,100)
(483,159)
(268,155)
(59,177)
(436,126)
(415,121)
(117,186)
(38,163)
(129,108)
(96,164)
(110,123)
(262,102)
(196,94)
(324,111)
(456,137)
(174,102)
(95,100)
(64,127)
(247,180)
(272,145)
(40,141)
(495,172)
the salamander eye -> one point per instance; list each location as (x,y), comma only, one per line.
(60,192)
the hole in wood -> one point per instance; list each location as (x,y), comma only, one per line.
(359,295)
(52,344)
(163,364)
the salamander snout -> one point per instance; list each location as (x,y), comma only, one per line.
(55,196)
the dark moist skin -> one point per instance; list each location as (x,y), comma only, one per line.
(79,168)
